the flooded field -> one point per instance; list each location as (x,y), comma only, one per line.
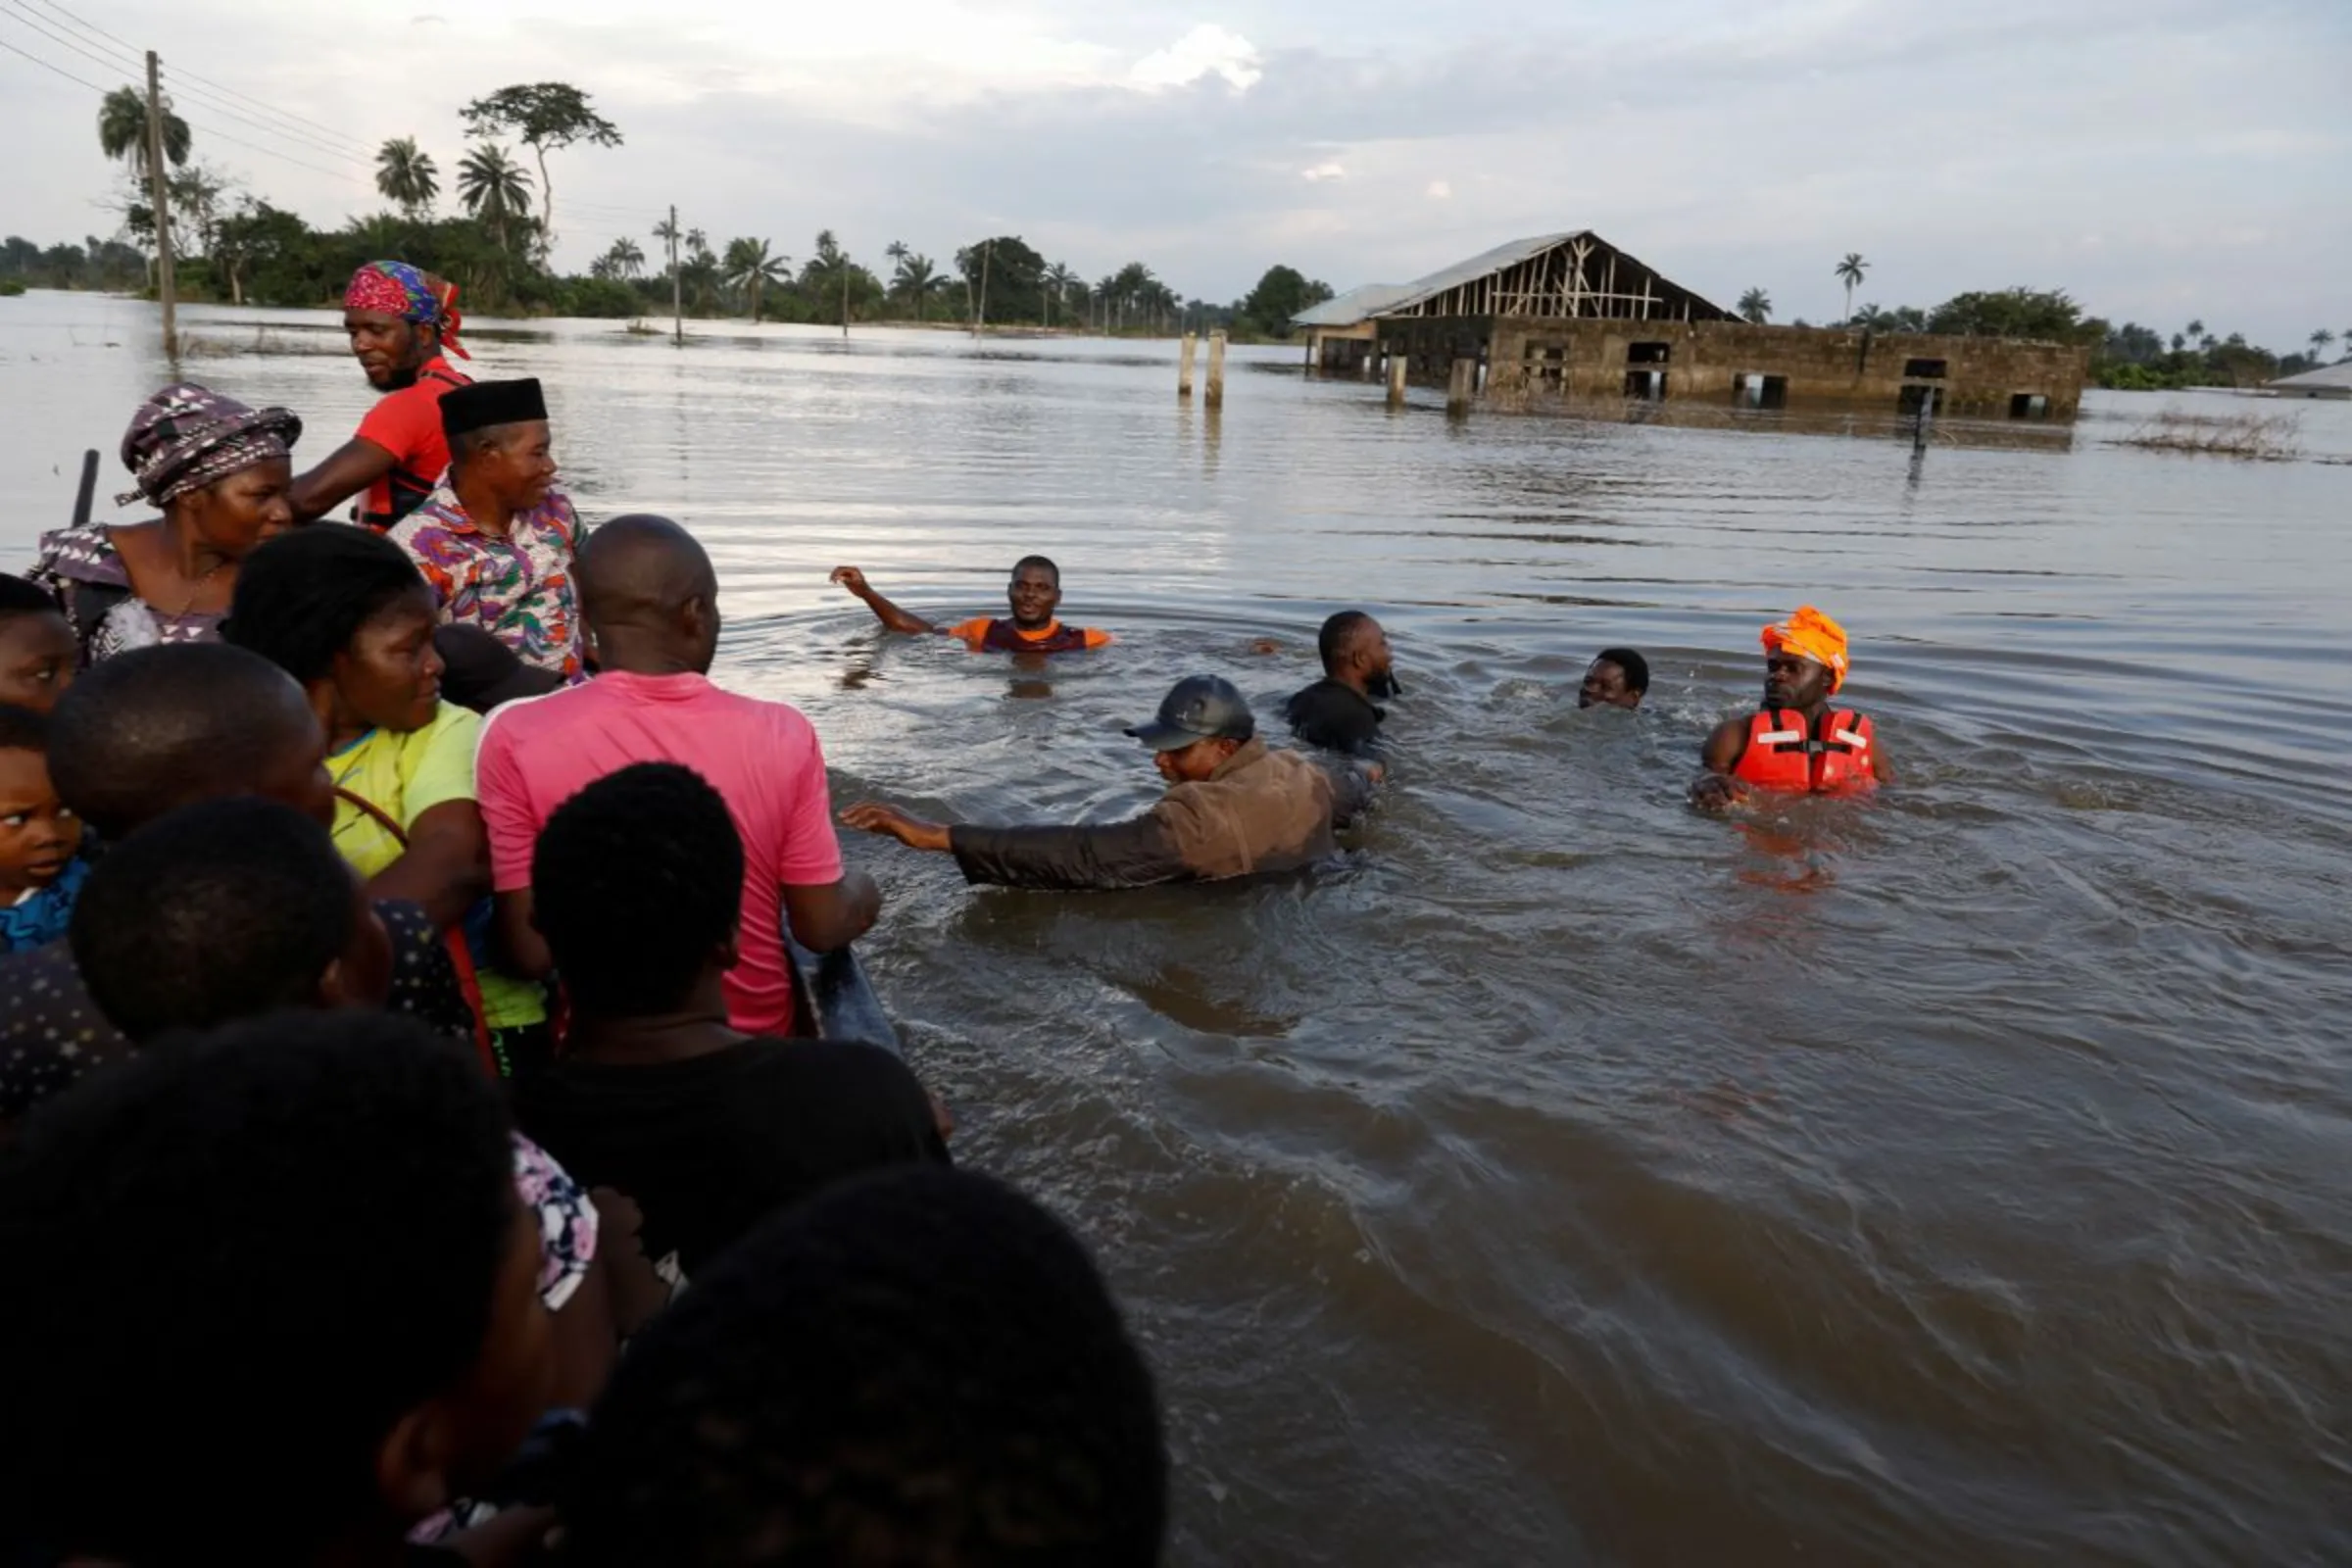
(1957,1177)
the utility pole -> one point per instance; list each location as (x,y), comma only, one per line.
(844,294)
(167,281)
(980,322)
(677,289)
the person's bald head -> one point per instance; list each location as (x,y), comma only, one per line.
(650,597)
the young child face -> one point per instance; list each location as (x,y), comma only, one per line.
(37,660)
(37,834)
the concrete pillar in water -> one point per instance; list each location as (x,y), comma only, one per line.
(1460,385)
(1184,365)
(1397,369)
(1216,369)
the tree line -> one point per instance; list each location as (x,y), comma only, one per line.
(235,247)
(2127,357)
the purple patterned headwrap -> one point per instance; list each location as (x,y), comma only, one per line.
(187,436)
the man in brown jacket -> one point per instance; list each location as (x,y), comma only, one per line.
(1233,808)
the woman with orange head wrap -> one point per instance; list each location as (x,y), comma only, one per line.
(1796,741)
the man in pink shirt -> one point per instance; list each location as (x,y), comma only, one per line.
(651,602)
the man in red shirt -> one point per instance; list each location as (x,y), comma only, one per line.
(400,320)
(651,600)
(1033,596)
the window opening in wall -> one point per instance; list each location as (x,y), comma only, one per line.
(1646,386)
(1647,352)
(1925,369)
(1753,390)
(1915,398)
(2029,406)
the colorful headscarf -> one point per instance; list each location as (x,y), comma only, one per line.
(186,437)
(395,289)
(1814,636)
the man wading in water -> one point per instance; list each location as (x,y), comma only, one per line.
(1338,713)
(1797,743)
(1233,808)
(1033,596)
(400,320)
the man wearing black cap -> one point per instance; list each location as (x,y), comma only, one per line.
(1233,808)
(496,541)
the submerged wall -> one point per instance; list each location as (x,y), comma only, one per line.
(1731,365)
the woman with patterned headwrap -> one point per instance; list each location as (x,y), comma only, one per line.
(1798,742)
(218,472)
(401,322)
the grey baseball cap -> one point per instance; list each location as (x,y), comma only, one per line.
(1197,708)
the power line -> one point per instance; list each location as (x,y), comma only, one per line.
(46,66)
(218,134)
(29,19)
(226,100)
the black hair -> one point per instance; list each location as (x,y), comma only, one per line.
(1026,561)
(1636,668)
(142,732)
(635,882)
(22,730)
(252,1252)
(1338,633)
(21,598)
(915,1366)
(304,596)
(214,912)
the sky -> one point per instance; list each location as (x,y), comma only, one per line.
(2161,160)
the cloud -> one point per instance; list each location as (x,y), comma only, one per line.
(1440,192)
(1323,172)
(1208,50)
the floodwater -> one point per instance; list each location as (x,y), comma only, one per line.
(1957,1177)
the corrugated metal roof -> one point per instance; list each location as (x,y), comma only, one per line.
(1478,267)
(1355,305)
(2327,377)
(1383,299)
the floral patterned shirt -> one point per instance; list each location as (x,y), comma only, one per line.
(518,588)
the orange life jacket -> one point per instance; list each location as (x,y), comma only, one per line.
(1004,637)
(1831,756)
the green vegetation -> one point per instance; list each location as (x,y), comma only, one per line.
(1755,306)
(10,288)
(1849,272)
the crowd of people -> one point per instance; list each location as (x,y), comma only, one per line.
(398,930)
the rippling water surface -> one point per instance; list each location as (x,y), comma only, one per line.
(1953,1178)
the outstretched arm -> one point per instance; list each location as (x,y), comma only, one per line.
(888,613)
(348,469)
(1137,852)
(1715,788)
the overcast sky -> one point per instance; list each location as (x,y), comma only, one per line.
(2162,159)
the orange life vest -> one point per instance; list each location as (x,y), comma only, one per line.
(1831,756)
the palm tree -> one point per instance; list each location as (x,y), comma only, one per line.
(1850,271)
(918,281)
(2196,331)
(627,259)
(1755,306)
(750,267)
(406,174)
(1057,282)
(123,130)
(495,189)
(2318,345)
(1103,290)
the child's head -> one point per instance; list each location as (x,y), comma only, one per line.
(37,834)
(288,1255)
(916,1368)
(37,656)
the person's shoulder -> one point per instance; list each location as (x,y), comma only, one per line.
(405,421)
(971,633)
(845,1076)
(449,719)
(436,516)
(84,553)
(1096,637)
(512,720)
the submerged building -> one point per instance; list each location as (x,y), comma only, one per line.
(1573,320)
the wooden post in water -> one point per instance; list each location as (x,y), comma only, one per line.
(1460,383)
(1927,414)
(167,280)
(1184,365)
(1397,368)
(677,289)
(1216,370)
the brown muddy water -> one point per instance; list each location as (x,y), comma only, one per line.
(1958,1177)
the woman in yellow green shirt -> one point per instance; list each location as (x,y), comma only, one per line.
(344,612)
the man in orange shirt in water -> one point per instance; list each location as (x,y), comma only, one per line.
(1035,594)
(1798,741)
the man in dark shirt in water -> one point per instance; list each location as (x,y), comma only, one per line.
(1033,595)
(1617,677)
(1337,712)
(1233,808)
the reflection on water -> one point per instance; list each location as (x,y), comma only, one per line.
(1564,1177)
